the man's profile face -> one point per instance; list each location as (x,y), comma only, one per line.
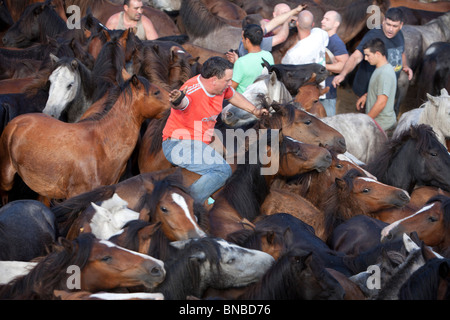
(220,85)
(391,28)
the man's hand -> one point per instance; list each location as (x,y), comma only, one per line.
(232,56)
(361,102)
(258,112)
(409,71)
(337,80)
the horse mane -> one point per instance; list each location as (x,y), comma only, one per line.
(274,120)
(51,272)
(423,135)
(131,240)
(155,66)
(114,93)
(108,67)
(156,132)
(197,19)
(174,180)
(183,269)
(246,189)
(336,205)
(280,282)
(423,284)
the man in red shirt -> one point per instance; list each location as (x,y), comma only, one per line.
(189,128)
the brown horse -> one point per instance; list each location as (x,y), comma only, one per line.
(431,223)
(239,201)
(308,96)
(60,160)
(357,195)
(103,266)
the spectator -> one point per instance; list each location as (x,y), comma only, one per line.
(281,20)
(247,68)
(380,97)
(132,17)
(330,23)
(392,37)
(311,45)
(189,127)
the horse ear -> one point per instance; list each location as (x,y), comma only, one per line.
(433,99)
(107,35)
(53,58)
(74,64)
(135,80)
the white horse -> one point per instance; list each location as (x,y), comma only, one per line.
(267,87)
(364,138)
(435,112)
(110,217)
(71,89)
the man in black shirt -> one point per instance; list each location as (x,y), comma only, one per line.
(390,33)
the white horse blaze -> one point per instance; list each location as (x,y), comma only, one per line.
(179,200)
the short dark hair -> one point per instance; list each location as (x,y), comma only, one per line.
(395,14)
(254,33)
(215,66)
(376,45)
(126,2)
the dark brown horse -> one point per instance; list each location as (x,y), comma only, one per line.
(77,149)
(103,266)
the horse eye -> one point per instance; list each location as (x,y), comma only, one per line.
(307,122)
(231,261)
(157,92)
(69,86)
(366,190)
(432,219)
(164,209)
(433,154)
(106,259)
(339,166)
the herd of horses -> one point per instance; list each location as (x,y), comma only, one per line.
(92,210)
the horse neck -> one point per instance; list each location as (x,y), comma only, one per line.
(54,29)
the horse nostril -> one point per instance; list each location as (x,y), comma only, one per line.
(156,272)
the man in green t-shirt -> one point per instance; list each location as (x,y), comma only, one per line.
(247,68)
(380,97)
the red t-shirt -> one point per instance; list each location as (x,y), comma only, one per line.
(197,120)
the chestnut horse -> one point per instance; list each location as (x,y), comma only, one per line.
(103,266)
(308,96)
(431,222)
(60,160)
(355,194)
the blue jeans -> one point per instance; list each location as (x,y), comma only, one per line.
(330,106)
(202,159)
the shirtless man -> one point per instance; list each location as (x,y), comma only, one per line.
(132,17)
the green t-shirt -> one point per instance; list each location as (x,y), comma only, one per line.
(247,68)
(383,81)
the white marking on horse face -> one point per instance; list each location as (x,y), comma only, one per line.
(63,89)
(409,244)
(144,256)
(386,230)
(180,201)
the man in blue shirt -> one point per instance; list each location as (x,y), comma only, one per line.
(330,23)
